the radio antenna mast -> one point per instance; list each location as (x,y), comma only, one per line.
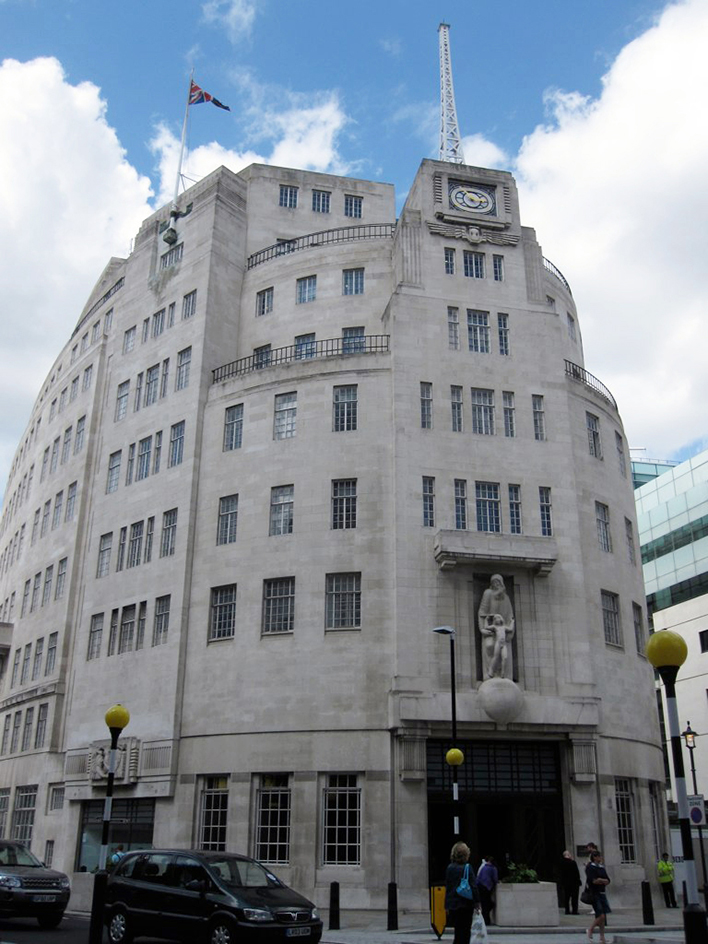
(450,145)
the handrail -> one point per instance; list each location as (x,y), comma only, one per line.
(323,238)
(554,270)
(579,374)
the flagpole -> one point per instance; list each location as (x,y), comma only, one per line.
(173,211)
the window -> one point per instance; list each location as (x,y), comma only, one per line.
(449,261)
(122,400)
(461,504)
(15,741)
(572,334)
(233,427)
(638,619)
(55,455)
(127,629)
(58,503)
(149,534)
(544,501)
(38,656)
(171,315)
(184,360)
(162,620)
(341,821)
(473,264)
(621,457)
(261,356)
(213,811)
(264,302)
(509,414)
(169,533)
(176,444)
(74,389)
(130,465)
(426,405)
(488,506)
(539,418)
(611,618)
(16,667)
(41,731)
(515,509)
(35,592)
(104,554)
(344,408)
(95,635)
(23,814)
(625,819)
(456,407)
(453,328)
(152,384)
(482,411)
(88,375)
(353,340)
(503,334)
(428,501)
(343,504)
(285,415)
(189,305)
(353,282)
(228,516)
(602,520)
(27,730)
(222,624)
(51,653)
(343,601)
(122,539)
(498,267)
(629,535)
(278,605)
(79,441)
(137,402)
(273,815)
(593,428)
(53,409)
(61,578)
(113,633)
(45,464)
(114,461)
(5,792)
(164,380)
(144,459)
(306,289)
(70,502)
(56,798)
(142,615)
(129,340)
(281,509)
(288,196)
(478,331)
(305,346)
(135,544)
(353,206)
(66,445)
(320,204)
(158,323)
(47,590)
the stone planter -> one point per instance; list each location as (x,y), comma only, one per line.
(526,906)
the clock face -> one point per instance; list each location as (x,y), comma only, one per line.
(470,197)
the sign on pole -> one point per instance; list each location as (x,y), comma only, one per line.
(697,810)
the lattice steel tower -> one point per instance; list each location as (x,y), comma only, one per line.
(450,145)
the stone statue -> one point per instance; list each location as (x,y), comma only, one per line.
(495,619)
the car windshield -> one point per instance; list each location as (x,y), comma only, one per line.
(242,873)
(11,854)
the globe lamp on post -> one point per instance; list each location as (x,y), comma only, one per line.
(117,718)
(667,652)
(689,737)
(454,756)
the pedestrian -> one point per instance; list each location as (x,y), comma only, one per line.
(570,882)
(597,881)
(665,868)
(487,879)
(460,909)
(117,855)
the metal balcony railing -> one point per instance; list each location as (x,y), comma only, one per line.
(307,350)
(324,238)
(579,374)
(555,271)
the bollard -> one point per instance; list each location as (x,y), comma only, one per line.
(647,906)
(685,895)
(334,906)
(392,907)
(97,905)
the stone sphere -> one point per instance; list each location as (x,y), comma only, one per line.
(501,699)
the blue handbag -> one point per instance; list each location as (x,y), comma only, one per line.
(464,889)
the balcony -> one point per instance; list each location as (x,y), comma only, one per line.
(327,237)
(580,375)
(557,274)
(310,350)
(457,548)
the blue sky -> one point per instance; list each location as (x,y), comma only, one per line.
(592,104)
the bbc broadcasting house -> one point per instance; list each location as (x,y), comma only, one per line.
(290,436)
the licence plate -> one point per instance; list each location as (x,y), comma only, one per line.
(298,932)
(44,897)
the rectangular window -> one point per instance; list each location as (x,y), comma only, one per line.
(515,509)
(353,282)
(66,445)
(264,302)
(79,441)
(184,360)
(62,399)
(278,605)
(285,415)
(16,725)
(611,618)
(55,455)
(58,503)
(135,544)
(122,400)
(456,407)
(341,821)
(344,408)
(35,592)
(544,501)
(16,667)
(88,375)
(273,816)
(288,196)
(113,633)
(281,509)
(320,204)
(27,730)
(158,323)
(41,731)
(5,791)
(305,346)
(638,618)
(176,444)
(168,539)
(621,456)
(488,506)
(343,601)
(343,504)
(261,356)
(122,540)
(498,266)
(162,620)
(129,340)
(189,305)
(130,465)
(426,405)
(47,589)
(428,501)
(509,414)
(74,389)
(473,264)
(482,411)
(233,427)
(114,461)
(461,504)
(149,534)
(70,502)
(165,378)
(503,334)
(625,819)
(629,535)
(222,623)
(602,520)
(306,290)
(51,653)
(35,525)
(228,517)
(138,401)
(23,814)
(213,813)
(38,656)
(104,554)
(144,459)
(539,418)
(449,261)
(126,636)
(353,340)
(571,326)
(478,331)
(353,206)
(61,579)
(152,384)
(95,636)
(142,616)
(453,328)
(45,465)
(171,315)
(592,424)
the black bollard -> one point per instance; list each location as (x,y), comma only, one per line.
(334,906)
(392,907)
(98,902)
(685,895)
(647,905)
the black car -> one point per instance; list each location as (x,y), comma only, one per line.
(212,897)
(28,889)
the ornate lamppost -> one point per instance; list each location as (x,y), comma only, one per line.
(454,756)
(689,736)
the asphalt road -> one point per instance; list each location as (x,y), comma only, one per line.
(74,929)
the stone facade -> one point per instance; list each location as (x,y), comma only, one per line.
(311,434)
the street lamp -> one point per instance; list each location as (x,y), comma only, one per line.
(667,652)
(689,736)
(116,718)
(454,756)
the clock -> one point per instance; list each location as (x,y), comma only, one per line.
(472,198)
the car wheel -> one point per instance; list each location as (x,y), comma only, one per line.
(50,920)
(119,928)
(222,931)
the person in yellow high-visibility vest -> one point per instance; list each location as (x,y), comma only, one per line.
(665,868)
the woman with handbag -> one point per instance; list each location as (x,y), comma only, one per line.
(461,895)
(597,882)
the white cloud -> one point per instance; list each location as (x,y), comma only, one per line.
(236,16)
(394,47)
(480,152)
(616,190)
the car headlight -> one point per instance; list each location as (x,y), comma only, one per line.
(257,914)
(64,882)
(315,915)
(9,881)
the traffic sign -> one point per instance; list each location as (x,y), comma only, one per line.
(696,810)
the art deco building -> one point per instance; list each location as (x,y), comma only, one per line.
(288,437)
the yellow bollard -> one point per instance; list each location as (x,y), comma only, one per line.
(438,915)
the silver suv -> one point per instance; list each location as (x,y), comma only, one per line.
(28,889)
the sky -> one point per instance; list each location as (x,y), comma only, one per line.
(596,106)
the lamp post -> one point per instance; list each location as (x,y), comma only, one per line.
(117,718)
(454,756)
(689,736)
(667,652)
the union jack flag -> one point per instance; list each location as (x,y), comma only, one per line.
(197,96)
